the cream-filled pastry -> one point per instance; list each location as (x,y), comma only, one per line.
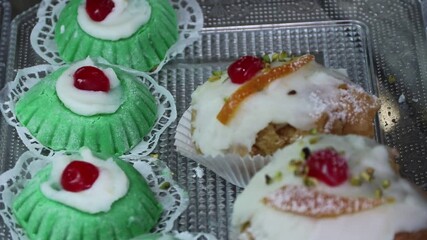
(330,187)
(258,107)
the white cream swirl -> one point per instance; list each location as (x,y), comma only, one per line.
(125,19)
(111,184)
(84,102)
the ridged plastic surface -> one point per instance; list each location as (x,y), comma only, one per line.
(384,48)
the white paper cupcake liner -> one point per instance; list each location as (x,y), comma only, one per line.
(28,77)
(174,199)
(233,168)
(190,23)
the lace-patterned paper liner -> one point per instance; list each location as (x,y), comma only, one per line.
(174,199)
(177,235)
(233,168)
(28,77)
(190,23)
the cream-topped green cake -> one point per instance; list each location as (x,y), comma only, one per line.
(88,104)
(84,196)
(132,33)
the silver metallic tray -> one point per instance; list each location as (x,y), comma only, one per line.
(383,48)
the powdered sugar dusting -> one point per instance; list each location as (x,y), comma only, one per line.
(309,202)
(347,104)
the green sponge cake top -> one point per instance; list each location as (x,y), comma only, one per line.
(88,104)
(84,196)
(134,33)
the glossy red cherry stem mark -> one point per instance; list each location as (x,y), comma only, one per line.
(328,167)
(91,79)
(98,10)
(79,176)
(244,69)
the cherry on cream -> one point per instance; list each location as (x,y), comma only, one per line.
(98,10)
(87,89)
(91,79)
(79,176)
(244,69)
(328,166)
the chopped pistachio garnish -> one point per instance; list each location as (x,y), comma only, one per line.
(217,73)
(266,68)
(391,79)
(268,179)
(283,56)
(313,131)
(356,181)
(309,181)
(275,57)
(378,193)
(225,99)
(313,140)
(390,199)
(165,185)
(154,155)
(295,164)
(301,171)
(278,176)
(306,152)
(214,78)
(386,183)
(266,58)
(370,171)
(298,167)
(366,176)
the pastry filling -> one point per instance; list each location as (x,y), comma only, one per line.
(85,182)
(87,90)
(113,19)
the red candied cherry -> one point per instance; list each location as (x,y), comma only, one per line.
(79,176)
(98,10)
(91,79)
(244,69)
(327,166)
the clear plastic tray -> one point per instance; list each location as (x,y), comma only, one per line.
(5,17)
(384,49)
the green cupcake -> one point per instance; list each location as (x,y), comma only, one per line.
(41,211)
(142,48)
(127,111)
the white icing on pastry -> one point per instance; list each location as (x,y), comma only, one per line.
(111,184)
(125,19)
(84,102)
(316,93)
(407,214)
